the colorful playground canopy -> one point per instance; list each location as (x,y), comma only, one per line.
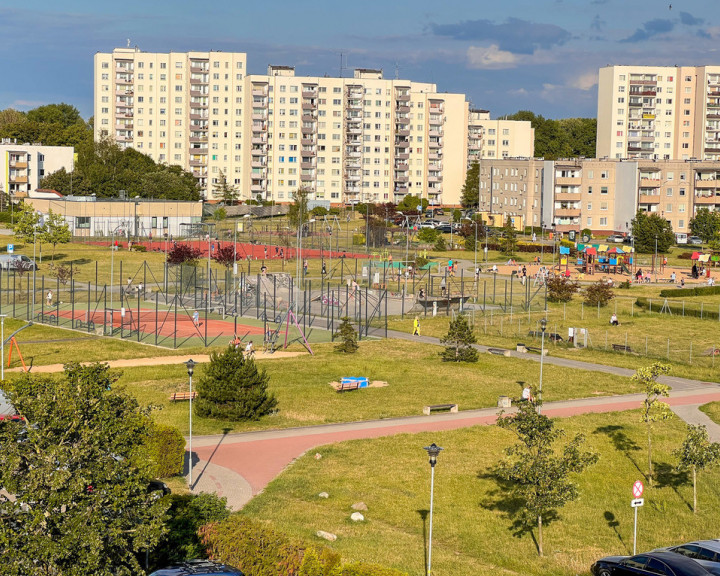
(590,250)
(615,250)
(695,255)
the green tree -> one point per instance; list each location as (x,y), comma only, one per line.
(560,289)
(232,388)
(470,194)
(348,337)
(598,294)
(63,114)
(223,190)
(654,409)
(298,210)
(78,467)
(428,235)
(705,224)
(565,138)
(696,454)
(11,116)
(27,223)
(220,214)
(509,239)
(55,231)
(410,203)
(538,470)
(647,228)
(460,339)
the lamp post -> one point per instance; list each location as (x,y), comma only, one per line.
(476,225)
(655,261)
(190,369)
(2,346)
(433,450)
(543,326)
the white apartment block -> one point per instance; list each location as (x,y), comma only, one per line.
(22,166)
(345,140)
(659,112)
(498,138)
(600,194)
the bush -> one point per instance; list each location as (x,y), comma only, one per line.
(560,289)
(428,235)
(232,388)
(358,239)
(167,450)
(625,285)
(677,309)
(689,292)
(598,294)
(183,254)
(440,244)
(138,248)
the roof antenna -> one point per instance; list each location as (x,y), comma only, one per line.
(397,71)
(343,63)
(128,42)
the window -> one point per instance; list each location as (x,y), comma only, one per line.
(82,222)
(603,221)
(603,190)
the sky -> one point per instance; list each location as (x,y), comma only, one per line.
(538,55)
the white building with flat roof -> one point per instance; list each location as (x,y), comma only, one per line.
(22,166)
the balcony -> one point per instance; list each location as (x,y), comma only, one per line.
(402,167)
(258,163)
(259,92)
(402,143)
(402,156)
(196,68)
(307,165)
(400,190)
(352,189)
(18,179)
(198,161)
(567,196)
(259,151)
(198,92)
(20,164)
(259,127)
(124,126)
(259,115)
(402,109)
(354,104)
(437,155)
(649,198)
(309,105)
(199,173)
(567,212)
(567,180)
(402,97)
(307,130)
(307,177)
(308,140)
(402,120)
(402,132)
(259,139)
(401,179)
(434,144)
(352,176)
(706,183)
(198,139)
(309,117)
(257,188)
(309,91)
(707,198)
(434,179)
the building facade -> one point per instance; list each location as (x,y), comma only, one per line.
(345,140)
(22,166)
(599,194)
(659,112)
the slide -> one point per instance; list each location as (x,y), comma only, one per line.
(625,269)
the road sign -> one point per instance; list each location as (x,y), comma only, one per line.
(638,489)
(637,502)
(10,248)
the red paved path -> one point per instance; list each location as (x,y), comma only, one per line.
(259,460)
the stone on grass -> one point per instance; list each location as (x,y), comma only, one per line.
(357,517)
(359,506)
(318,455)
(324,495)
(326,535)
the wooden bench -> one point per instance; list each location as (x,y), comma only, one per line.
(177,396)
(437,407)
(622,348)
(347,386)
(81,324)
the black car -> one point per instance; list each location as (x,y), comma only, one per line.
(667,563)
(708,550)
(198,568)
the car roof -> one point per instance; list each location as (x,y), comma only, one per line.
(198,568)
(713,545)
(678,561)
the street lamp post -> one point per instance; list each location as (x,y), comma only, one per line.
(655,262)
(476,225)
(2,346)
(433,450)
(543,326)
(190,369)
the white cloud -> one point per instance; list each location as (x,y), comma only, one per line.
(490,58)
(585,81)
(27,103)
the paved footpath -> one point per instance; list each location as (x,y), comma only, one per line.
(239,466)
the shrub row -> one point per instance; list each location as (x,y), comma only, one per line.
(258,550)
(677,309)
(689,292)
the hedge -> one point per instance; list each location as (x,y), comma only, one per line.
(677,309)
(167,451)
(690,292)
(259,550)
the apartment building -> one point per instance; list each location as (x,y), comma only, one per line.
(345,140)
(22,166)
(600,194)
(498,138)
(659,112)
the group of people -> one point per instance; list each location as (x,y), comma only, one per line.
(249,351)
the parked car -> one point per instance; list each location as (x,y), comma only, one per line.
(695,240)
(429,224)
(198,568)
(445,227)
(666,563)
(615,238)
(698,550)
(628,240)
(15,261)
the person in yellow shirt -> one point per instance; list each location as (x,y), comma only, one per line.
(416,326)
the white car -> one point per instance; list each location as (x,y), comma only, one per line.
(615,238)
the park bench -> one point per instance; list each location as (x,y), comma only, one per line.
(438,407)
(82,325)
(177,396)
(499,351)
(47,318)
(622,348)
(552,336)
(348,385)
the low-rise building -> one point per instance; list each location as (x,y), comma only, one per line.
(22,166)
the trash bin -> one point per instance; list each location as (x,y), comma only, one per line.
(503,402)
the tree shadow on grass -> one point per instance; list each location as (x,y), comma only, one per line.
(622,443)
(613,523)
(503,499)
(666,476)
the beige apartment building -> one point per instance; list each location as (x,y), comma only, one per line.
(346,140)
(659,112)
(600,194)
(22,166)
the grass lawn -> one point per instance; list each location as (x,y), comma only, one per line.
(473,526)
(415,374)
(712,409)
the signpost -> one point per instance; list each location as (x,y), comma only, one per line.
(10,248)
(637,491)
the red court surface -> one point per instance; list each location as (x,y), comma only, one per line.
(261,460)
(164,324)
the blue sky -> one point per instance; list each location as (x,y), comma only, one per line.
(539,55)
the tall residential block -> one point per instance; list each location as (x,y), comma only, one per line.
(345,140)
(659,112)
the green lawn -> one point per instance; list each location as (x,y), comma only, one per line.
(473,532)
(414,372)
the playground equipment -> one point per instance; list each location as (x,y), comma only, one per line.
(13,343)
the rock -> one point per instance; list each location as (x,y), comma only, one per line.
(324,495)
(359,506)
(318,456)
(357,517)
(326,535)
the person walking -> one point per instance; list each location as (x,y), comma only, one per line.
(196,319)
(416,326)
(49,298)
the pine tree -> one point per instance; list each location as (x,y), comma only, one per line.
(509,242)
(228,193)
(470,195)
(460,337)
(232,388)
(348,337)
